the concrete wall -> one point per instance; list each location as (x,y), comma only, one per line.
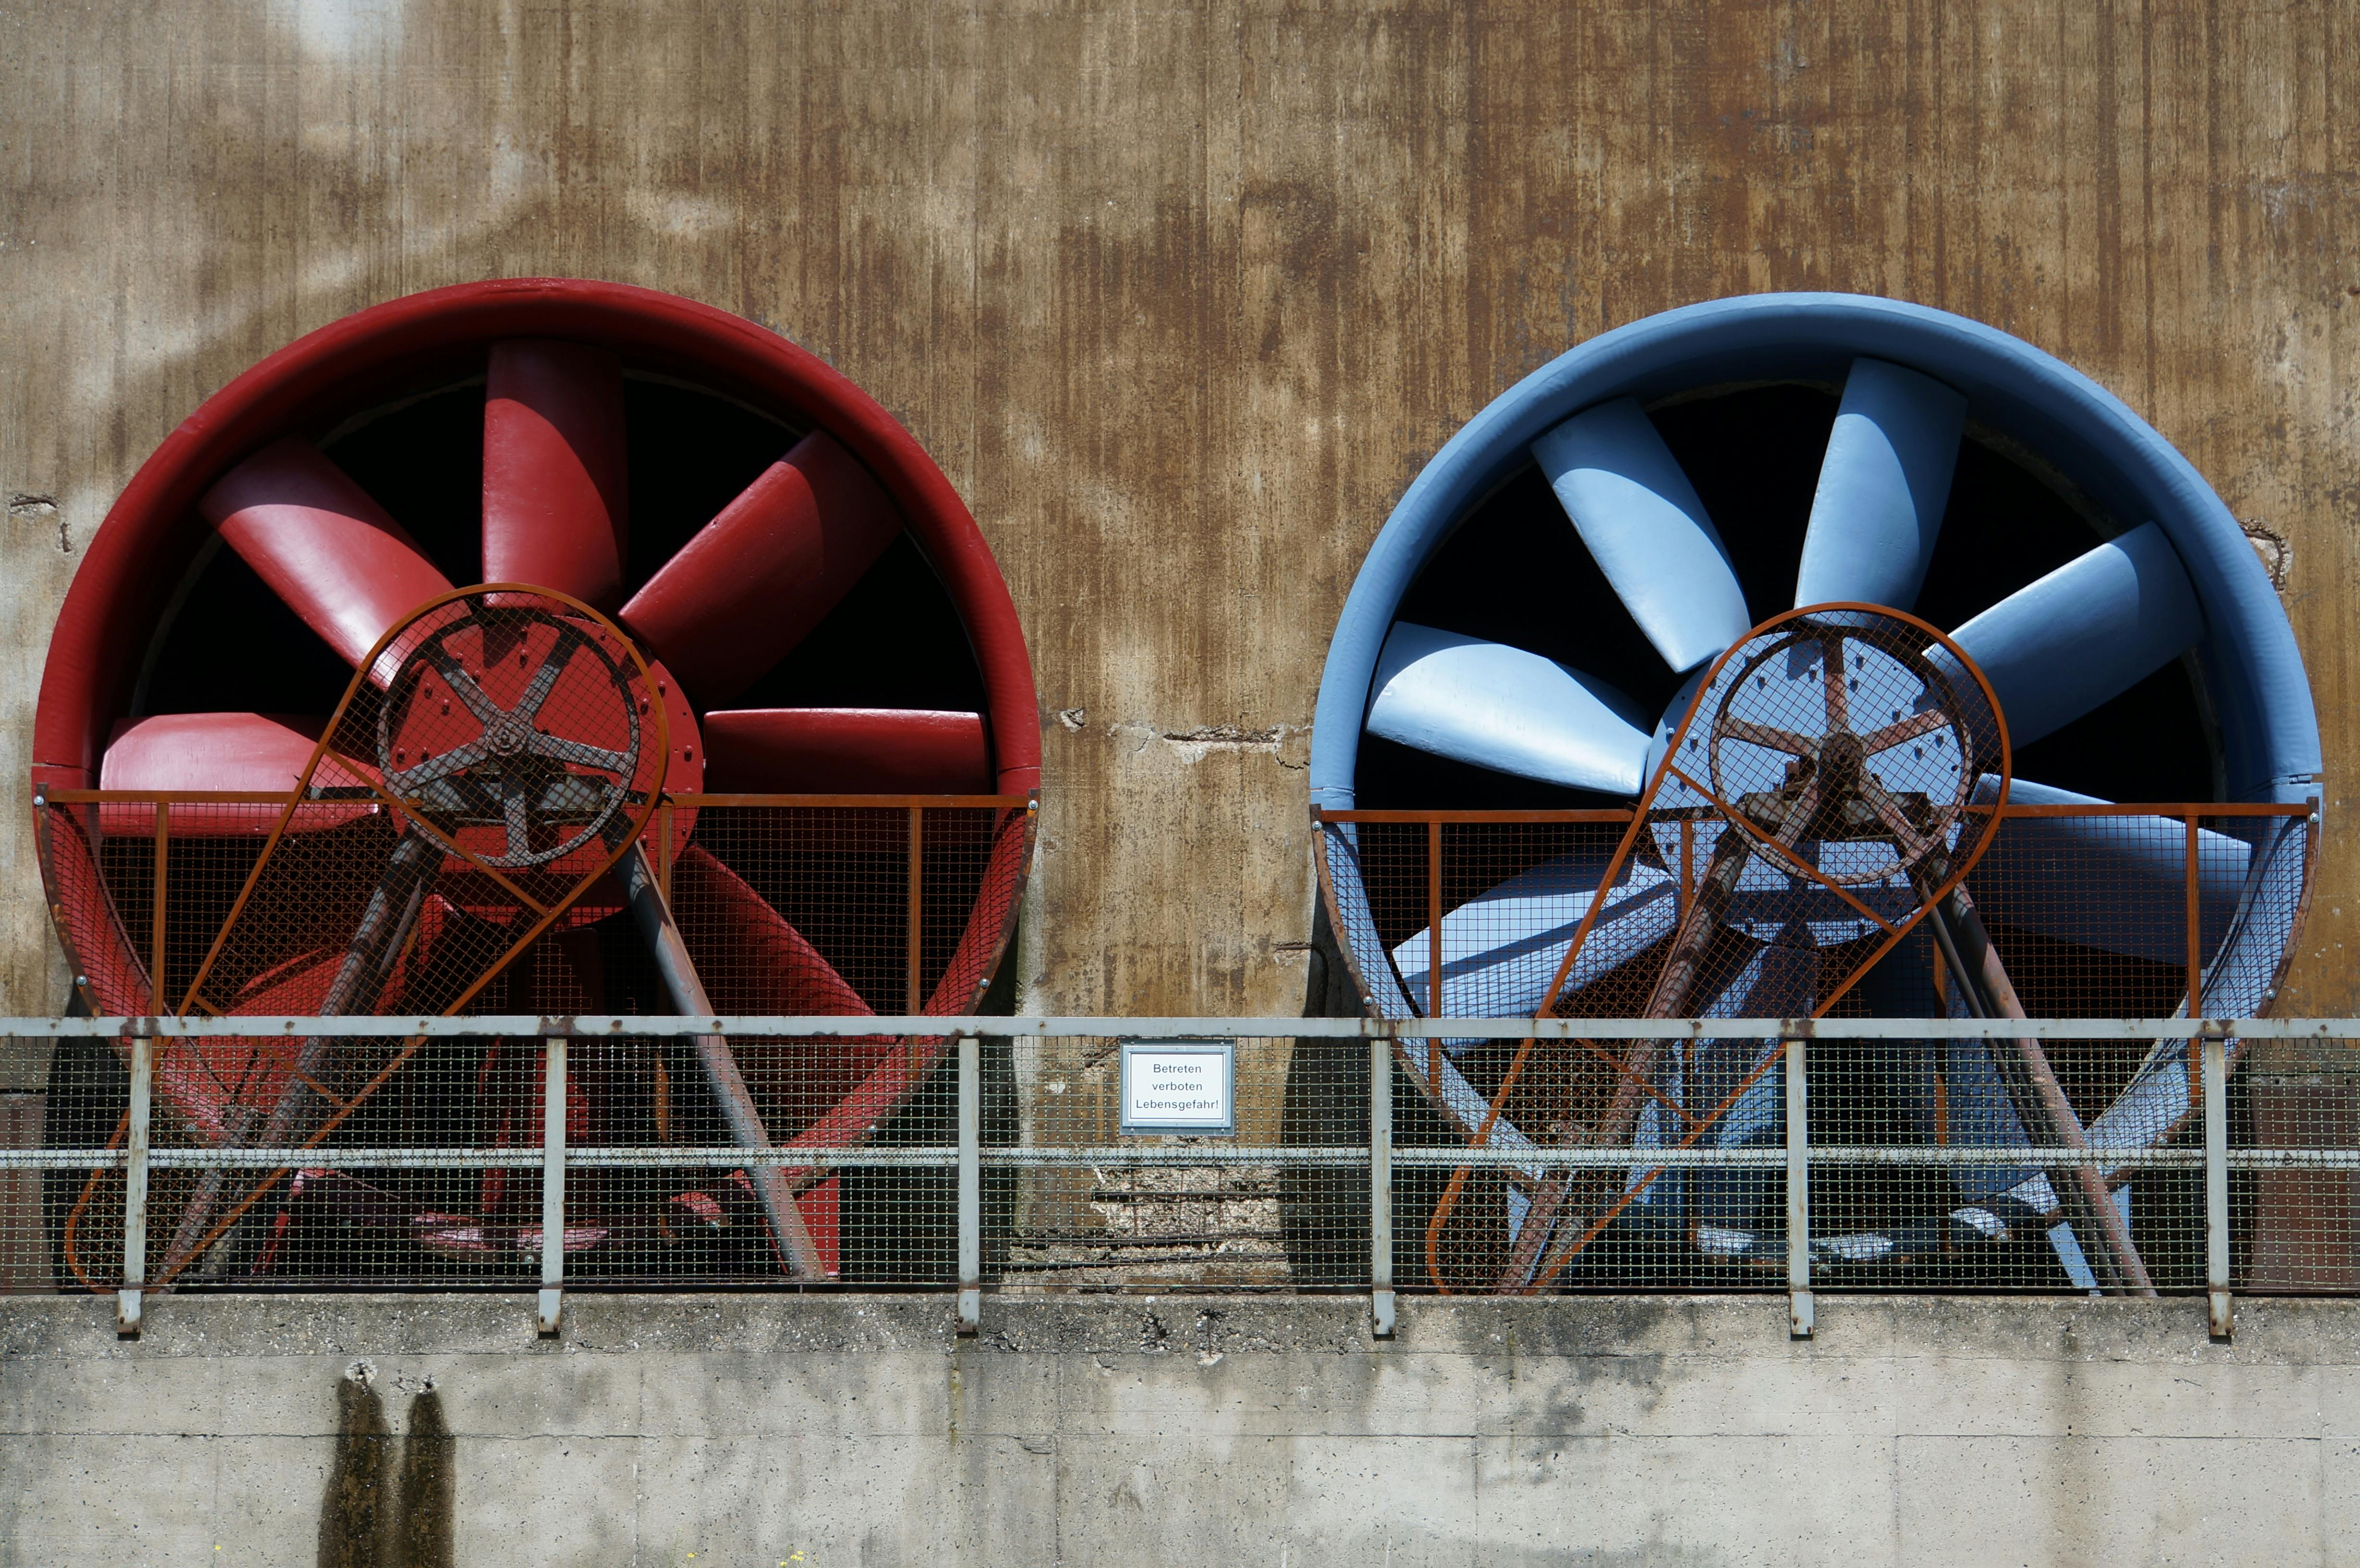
(1181,296)
(1117,1431)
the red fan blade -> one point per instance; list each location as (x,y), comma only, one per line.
(179,753)
(847,751)
(760,576)
(555,501)
(959,990)
(751,960)
(321,544)
(754,963)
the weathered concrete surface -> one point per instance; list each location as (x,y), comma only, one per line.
(1121,1431)
(1181,296)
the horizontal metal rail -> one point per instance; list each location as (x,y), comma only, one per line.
(1381,1159)
(602,1025)
(1446,1155)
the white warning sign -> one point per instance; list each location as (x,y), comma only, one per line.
(1180,1087)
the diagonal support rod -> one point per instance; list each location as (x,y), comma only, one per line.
(797,1251)
(2039,1099)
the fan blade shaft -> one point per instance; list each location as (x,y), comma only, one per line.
(556,503)
(797,1251)
(2089,631)
(1883,487)
(2040,1101)
(1499,707)
(758,577)
(377,943)
(1640,519)
(847,751)
(321,544)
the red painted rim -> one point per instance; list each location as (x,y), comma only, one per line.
(136,557)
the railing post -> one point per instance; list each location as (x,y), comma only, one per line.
(135,1189)
(2218,1312)
(553,1182)
(1381,1183)
(971,1185)
(1800,1316)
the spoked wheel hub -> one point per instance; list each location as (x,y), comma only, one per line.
(540,746)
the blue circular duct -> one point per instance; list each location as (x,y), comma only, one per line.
(2253,674)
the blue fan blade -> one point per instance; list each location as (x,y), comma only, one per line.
(1883,486)
(2115,883)
(1501,948)
(1642,521)
(2090,630)
(1502,708)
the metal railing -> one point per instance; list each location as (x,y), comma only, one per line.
(1153,1173)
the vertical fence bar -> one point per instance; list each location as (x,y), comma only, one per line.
(2218,1313)
(553,1182)
(917,903)
(1801,1317)
(156,919)
(971,1185)
(128,1299)
(663,848)
(135,1189)
(1434,952)
(2196,1087)
(1381,1183)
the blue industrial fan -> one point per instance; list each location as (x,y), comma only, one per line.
(2177,579)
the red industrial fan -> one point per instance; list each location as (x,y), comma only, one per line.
(833,548)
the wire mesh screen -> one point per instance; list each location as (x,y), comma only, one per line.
(692,1160)
(2016,1164)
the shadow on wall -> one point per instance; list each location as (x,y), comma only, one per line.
(374,1516)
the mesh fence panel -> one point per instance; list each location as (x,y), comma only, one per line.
(1284,1201)
(2084,909)
(784,908)
(2008,1163)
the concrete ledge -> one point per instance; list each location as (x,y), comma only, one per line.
(1129,1429)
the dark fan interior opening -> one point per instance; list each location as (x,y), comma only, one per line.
(895,641)
(1514,571)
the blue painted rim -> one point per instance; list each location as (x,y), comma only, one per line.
(2252,671)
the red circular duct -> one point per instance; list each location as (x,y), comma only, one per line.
(712,617)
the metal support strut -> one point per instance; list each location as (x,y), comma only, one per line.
(798,1254)
(1800,1315)
(135,1189)
(1381,1183)
(2218,1311)
(552,1183)
(971,1185)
